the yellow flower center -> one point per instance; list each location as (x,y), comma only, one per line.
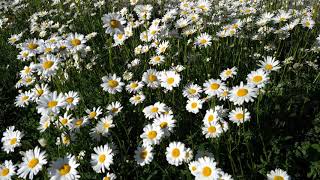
(206,171)
(114,24)
(64,121)
(278,178)
(239,116)
(210,118)
(106,125)
(215,86)
(13,141)
(106,178)
(228,72)
(32,46)
(69,100)
(48,50)
(75,42)
(152,134)
(114,110)
(24,98)
(157,58)
(154,109)
(163,125)
(152,78)
(33,162)
(65,169)
(48,64)
(212,129)
(113,83)
(192,91)
(203,41)
(92,114)
(175,152)
(257,79)
(194,105)
(102,158)
(170,80)
(268,67)
(137,98)
(143,154)
(133,85)
(52,104)
(193,168)
(120,36)
(79,122)
(242,92)
(40,92)
(4,171)
(27,70)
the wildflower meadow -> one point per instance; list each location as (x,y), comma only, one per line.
(159,89)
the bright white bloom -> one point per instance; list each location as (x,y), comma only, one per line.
(175,153)
(102,158)
(206,169)
(258,78)
(143,155)
(170,79)
(203,40)
(50,103)
(214,87)
(166,123)
(64,168)
(154,111)
(151,135)
(212,130)
(242,93)
(278,174)
(112,84)
(270,64)
(7,170)
(192,91)
(113,23)
(11,139)
(228,73)
(194,105)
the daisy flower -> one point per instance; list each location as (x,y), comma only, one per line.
(151,135)
(32,46)
(278,174)
(224,94)
(114,108)
(45,122)
(206,169)
(65,121)
(175,153)
(76,42)
(72,99)
(151,78)
(27,70)
(258,78)
(307,22)
(104,125)
(228,73)
(11,139)
(48,65)
(136,99)
(212,130)
(79,122)
(23,99)
(239,116)
(282,16)
(64,168)
(154,111)
(39,90)
(94,113)
(50,103)
(162,47)
(210,116)
(102,158)
(193,165)
(270,64)
(156,60)
(203,40)
(119,39)
(7,170)
(143,155)
(242,93)
(32,162)
(203,6)
(213,87)
(112,84)
(110,176)
(113,23)
(134,86)
(166,123)
(194,105)
(192,91)
(169,79)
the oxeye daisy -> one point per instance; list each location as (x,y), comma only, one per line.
(104,125)
(143,155)
(102,158)
(23,99)
(50,103)
(242,93)
(228,73)
(175,153)
(7,170)
(278,174)
(27,70)
(39,90)
(156,60)
(112,84)
(213,87)
(72,99)
(170,79)
(166,123)
(206,169)
(224,176)
(32,163)
(134,86)
(203,40)
(64,139)
(94,113)
(65,121)
(193,165)
(151,135)
(113,23)
(258,78)
(11,139)
(162,47)
(114,108)
(210,116)
(25,55)
(224,94)
(189,155)
(203,6)
(64,168)
(270,64)
(136,99)
(194,105)
(119,39)
(192,91)
(76,42)
(48,65)
(212,130)
(239,116)
(45,122)
(154,111)
(151,78)
(110,176)
(32,45)
(307,22)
